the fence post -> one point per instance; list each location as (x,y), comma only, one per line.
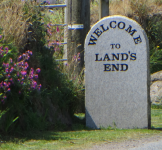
(103,8)
(65,29)
(79,25)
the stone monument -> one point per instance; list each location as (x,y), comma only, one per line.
(117,77)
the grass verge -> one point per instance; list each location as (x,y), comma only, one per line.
(73,140)
(80,138)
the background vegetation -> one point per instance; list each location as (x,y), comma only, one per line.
(35,93)
(47,99)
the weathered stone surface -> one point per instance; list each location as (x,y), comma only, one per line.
(157,76)
(156,88)
(117,79)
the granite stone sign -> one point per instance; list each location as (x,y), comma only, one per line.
(117,74)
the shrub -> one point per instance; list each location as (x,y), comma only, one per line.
(27,106)
(154,31)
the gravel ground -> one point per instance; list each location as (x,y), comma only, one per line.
(148,143)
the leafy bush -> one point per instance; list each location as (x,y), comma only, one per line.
(154,31)
(26,105)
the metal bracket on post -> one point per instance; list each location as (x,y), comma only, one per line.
(75,26)
(53,6)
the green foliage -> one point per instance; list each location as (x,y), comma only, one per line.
(156,106)
(156,118)
(32,109)
(154,31)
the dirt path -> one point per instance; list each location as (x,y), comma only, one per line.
(148,143)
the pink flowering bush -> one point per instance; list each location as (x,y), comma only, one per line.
(29,105)
(18,82)
(17,72)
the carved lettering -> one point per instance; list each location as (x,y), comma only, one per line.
(98,32)
(137,40)
(129,30)
(91,41)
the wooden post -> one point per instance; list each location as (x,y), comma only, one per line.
(103,8)
(78,26)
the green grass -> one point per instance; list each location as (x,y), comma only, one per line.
(72,140)
(156,106)
(79,137)
(156,118)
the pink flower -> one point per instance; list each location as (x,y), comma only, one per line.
(7,65)
(8,84)
(30,76)
(28,57)
(39,86)
(74,57)
(38,70)
(36,76)
(24,54)
(25,67)
(20,63)
(1,84)
(31,71)
(78,58)
(6,51)
(10,60)
(33,84)
(6,48)
(11,69)
(5,84)
(57,29)
(30,53)
(6,70)
(19,58)
(11,80)
(78,54)
(26,64)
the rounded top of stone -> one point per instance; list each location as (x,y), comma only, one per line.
(115,24)
(116,17)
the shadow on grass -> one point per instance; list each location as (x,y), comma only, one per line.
(156,128)
(37,135)
(59,134)
(78,125)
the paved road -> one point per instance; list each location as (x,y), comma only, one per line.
(155,145)
(148,143)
